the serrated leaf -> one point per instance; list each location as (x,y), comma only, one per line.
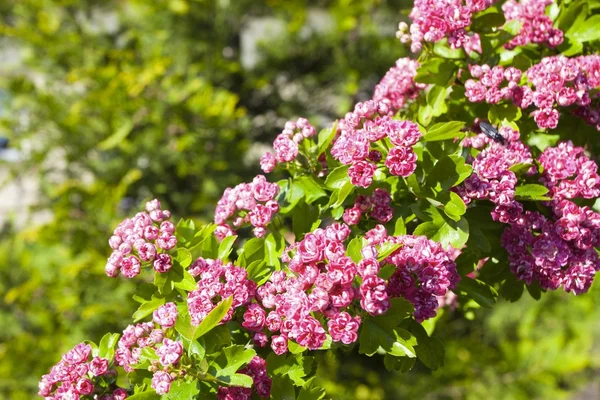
(429,350)
(444,131)
(531,191)
(148,307)
(226,247)
(311,392)
(182,390)
(312,189)
(325,138)
(474,289)
(448,172)
(337,178)
(229,361)
(106,348)
(146,395)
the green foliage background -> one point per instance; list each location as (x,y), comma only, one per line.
(115,102)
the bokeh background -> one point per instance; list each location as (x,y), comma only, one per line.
(107,103)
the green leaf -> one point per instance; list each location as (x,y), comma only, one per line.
(354,249)
(444,230)
(213,318)
(512,289)
(253,250)
(148,307)
(438,71)
(448,172)
(312,189)
(386,250)
(303,218)
(293,195)
(229,361)
(399,227)
(444,131)
(106,348)
(325,137)
(531,191)
(400,309)
(534,290)
(242,380)
(184,257)
(343,193)
(483,294)
(587,31)
(436,98)
(485,20)
(147,395)
(513,27)
(425,114)
(430,350)
(505,111)
(182,390)
(442,49)
(274,247)
(226,247)
(311,392)
(397,341)
(337,178)
(402,364)
(572,16)
(296,366)
(283,389)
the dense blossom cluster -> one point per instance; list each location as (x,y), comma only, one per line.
(398,86)
(257,370)
(377,206)
(557,81)
(247,203)
(556,249)
(434,20)
(323,284)
(143,239)
(79,375)
(491,178)
(135,338)
(424,272)
(218,282)
(361,129)
(536,26)
(286,144)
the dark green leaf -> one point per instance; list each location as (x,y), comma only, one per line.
(483,294)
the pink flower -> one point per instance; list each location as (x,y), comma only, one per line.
(170,352)
(161,382)
(166,315)
(344,328)
(162,263)
(254,318)
(352,216)
(401,161)
(98,366)
(361,173)
(78,354)
(279,344)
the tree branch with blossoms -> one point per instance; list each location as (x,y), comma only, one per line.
(402,207)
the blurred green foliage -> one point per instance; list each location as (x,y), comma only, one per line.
(114,102)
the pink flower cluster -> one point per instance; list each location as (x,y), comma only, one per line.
(247,203)
(79,375)
(143,239)
(434,20)
(286,143)
(362,128)
(537,27)
(398,86)
(137,337)
(257,370)
(557,81)
(134,339)
(377,206)
(218,282)
(322,284)
(424,271)
(555,249)
(491,178)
